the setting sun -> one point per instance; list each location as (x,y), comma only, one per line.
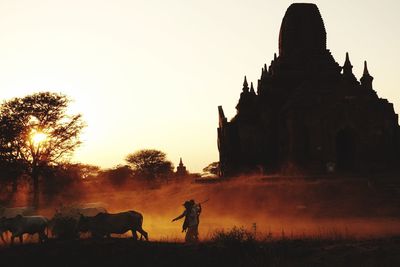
(38,137)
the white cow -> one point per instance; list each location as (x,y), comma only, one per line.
(20,225)
(12,212)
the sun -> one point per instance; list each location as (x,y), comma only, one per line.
(38,137)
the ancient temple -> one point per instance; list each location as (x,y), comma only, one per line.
(181,169)
(309,114)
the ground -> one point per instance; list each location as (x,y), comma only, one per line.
(283,252)
(297,221)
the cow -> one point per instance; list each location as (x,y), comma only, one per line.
(12,212)
(20,225)
(76,211)
(90,205)
(105,224)
(2,230)
(92,211)
(64,224)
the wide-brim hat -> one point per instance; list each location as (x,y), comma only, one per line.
(187,203)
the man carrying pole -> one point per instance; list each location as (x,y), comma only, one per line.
(191,223)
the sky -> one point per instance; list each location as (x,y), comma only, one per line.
(151,73)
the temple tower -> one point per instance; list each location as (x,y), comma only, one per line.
(309,112)
(181,169)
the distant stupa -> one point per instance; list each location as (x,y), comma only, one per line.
(309,114)
(181,169)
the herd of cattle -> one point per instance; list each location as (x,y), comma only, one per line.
(69,222)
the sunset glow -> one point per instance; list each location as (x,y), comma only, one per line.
(150,74)
(38,137)
(205,133)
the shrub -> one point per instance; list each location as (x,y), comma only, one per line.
(235,236)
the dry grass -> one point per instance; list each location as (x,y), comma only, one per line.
(234,247)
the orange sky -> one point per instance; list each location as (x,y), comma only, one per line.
(150,74)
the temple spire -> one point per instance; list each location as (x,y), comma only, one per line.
(252,88)
(365,69)
(264,70)
(347,64)
(366,79)
(302,31)
(348,70)
(245,85)
(181,169)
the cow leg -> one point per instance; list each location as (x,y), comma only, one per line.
(14,236)
(96,235)
(45,234)
(143,233)
(134,234)
(41,236)
(2,238)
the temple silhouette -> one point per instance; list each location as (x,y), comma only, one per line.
(181,169)
(309,114)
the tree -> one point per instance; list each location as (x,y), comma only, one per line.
(10,172)
(61,179)
(150,163)
(36,131)
(212,168)
(117,176)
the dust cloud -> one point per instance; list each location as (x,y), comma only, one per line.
(270,206)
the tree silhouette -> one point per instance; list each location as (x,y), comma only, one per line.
(118,175)
(10,172)
(150,163)
(212,168)
(36,131)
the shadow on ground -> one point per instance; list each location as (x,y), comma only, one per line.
(127,252)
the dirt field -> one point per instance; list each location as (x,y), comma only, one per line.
(312,206)
(306,221)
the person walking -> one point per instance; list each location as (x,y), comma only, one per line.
(191,223)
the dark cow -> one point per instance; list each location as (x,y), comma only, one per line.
(64,224)
(76,211)
(104,224)
(20,225)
